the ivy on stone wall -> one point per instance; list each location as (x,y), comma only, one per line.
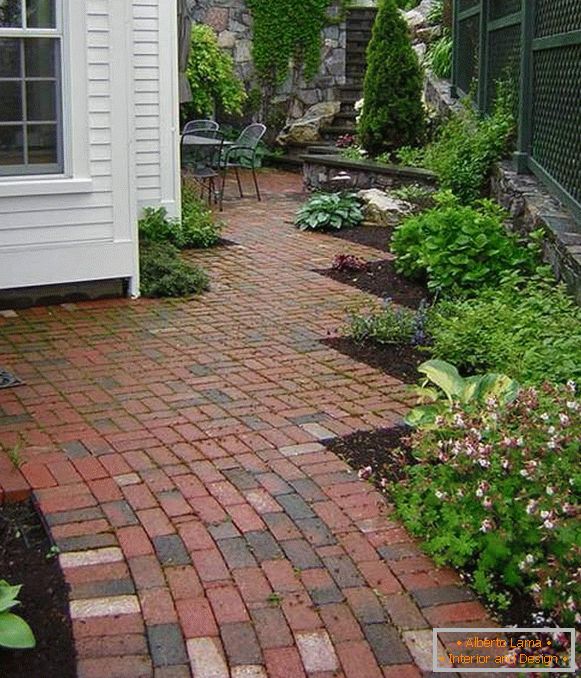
(289,33)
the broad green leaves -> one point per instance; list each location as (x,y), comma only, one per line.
(15,633)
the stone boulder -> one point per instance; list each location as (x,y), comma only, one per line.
(307,130)
(382,209)
(417,18)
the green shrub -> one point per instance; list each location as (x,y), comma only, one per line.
(467,146)
(198,228)
(327,211)
(212,77)
(458,248)
(531,333)
(389,325)
(15,633)
(165,274)
(439,57)
(393,113)
(496,492)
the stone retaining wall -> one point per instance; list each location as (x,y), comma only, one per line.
(232,21)
(329,171)
(531,207)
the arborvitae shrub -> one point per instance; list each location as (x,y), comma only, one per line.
(393,113)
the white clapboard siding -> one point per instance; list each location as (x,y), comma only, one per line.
(121,141)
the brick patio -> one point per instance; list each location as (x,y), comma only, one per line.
(173,448)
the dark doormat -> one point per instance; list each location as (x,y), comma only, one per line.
(7,379)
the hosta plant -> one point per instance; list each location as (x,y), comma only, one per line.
(443,387)
(496,492)
(15,633)
(329,211)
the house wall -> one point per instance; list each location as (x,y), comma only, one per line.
(82,225)
(156,103)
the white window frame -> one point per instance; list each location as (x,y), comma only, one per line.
(75,175)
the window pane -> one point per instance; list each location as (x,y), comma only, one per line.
(40,101)
(9,58)
(11,13)
(11,95)
(11,149)
(42,144)
(40,14)
(40,57)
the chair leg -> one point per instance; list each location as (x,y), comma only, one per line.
(256,184)
(239,182)
(223,189)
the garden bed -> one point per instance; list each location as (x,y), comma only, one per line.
(383,450)
(381,279)
(26,558)
(377,237)
(397,360)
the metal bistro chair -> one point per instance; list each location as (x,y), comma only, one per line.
(202,159)
(200,126)
(242,154)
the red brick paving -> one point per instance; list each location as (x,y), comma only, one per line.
(162,437)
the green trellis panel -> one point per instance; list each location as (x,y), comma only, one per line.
(537,45)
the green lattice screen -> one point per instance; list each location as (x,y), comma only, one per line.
(467,4)
(469,47)
(500,8)
(557,16)
(557,115)
(503,60)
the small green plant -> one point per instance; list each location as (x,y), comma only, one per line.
(328,211)
(467,146)
(420,196)
(53,552)
(393,113)
(15,633)
(439,57)
(212,77)
(14,456)
(451,388)
(530,330)
(389,325)
(459,248)
(275,599)
(165,274)
(496,492)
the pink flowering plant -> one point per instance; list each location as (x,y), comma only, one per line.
(496,493)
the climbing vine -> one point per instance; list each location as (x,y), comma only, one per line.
(288,33)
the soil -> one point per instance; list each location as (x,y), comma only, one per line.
(377,237)
(384,450)
(397,360)
(381,279)
(26,558)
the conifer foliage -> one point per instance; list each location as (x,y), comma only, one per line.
(393,113)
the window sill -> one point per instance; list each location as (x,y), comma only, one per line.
(22,186)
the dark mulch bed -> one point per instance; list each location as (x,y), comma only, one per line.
(25,558)
(381,278)
(383,450)
(377,237)
(397,360)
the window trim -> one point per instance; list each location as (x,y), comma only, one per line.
(74,176)
(57,34)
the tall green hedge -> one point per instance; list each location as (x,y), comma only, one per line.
(393,113)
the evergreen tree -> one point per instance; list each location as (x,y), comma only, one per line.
(393,113)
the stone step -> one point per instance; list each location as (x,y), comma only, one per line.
(335,131)
(346,116)
(323,149)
